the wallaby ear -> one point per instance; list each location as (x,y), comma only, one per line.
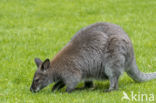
(38,61)
(45,65)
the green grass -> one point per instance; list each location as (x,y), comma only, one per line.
(40,28)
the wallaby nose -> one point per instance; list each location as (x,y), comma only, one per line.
(31,89)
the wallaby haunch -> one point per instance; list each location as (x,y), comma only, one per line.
(100,51)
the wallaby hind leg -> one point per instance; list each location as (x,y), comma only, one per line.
(88,84)
(113,84)
(113,70)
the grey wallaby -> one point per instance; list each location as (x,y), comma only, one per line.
(100,51)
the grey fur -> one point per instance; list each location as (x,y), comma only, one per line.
(99,51)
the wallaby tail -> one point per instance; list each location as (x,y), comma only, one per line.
(139,76)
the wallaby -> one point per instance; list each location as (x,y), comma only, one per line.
(100,51)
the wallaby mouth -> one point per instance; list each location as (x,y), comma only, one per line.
(34,90)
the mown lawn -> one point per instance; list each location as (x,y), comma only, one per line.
(40,28)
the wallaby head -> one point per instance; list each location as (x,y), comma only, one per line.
(41,77)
